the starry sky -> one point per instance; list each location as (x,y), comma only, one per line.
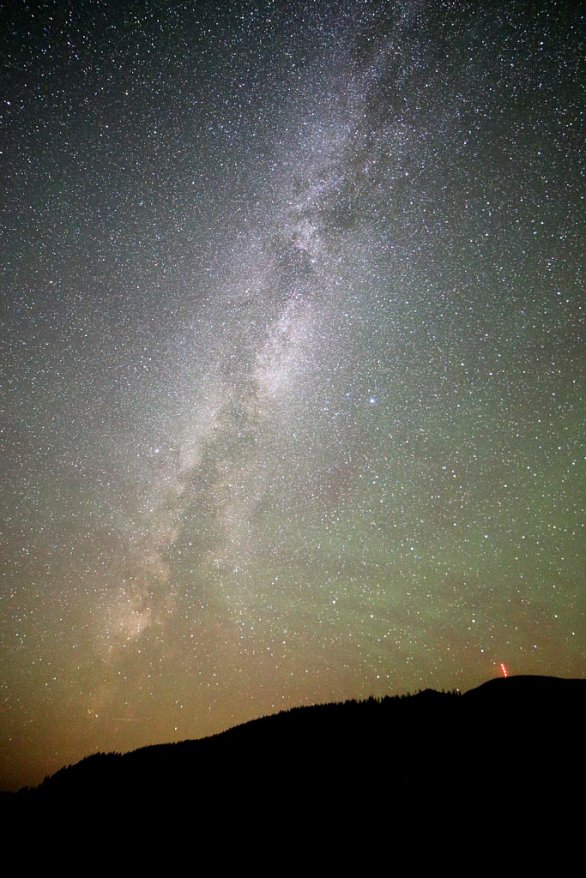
(292,364)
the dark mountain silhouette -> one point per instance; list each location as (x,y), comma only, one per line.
(437,759)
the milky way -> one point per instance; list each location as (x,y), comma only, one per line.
(292,360)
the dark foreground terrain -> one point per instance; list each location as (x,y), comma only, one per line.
(505,754)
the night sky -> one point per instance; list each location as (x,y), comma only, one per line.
(292,364)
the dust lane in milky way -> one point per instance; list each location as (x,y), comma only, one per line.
(292,355)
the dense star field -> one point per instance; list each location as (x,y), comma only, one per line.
(292,397)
